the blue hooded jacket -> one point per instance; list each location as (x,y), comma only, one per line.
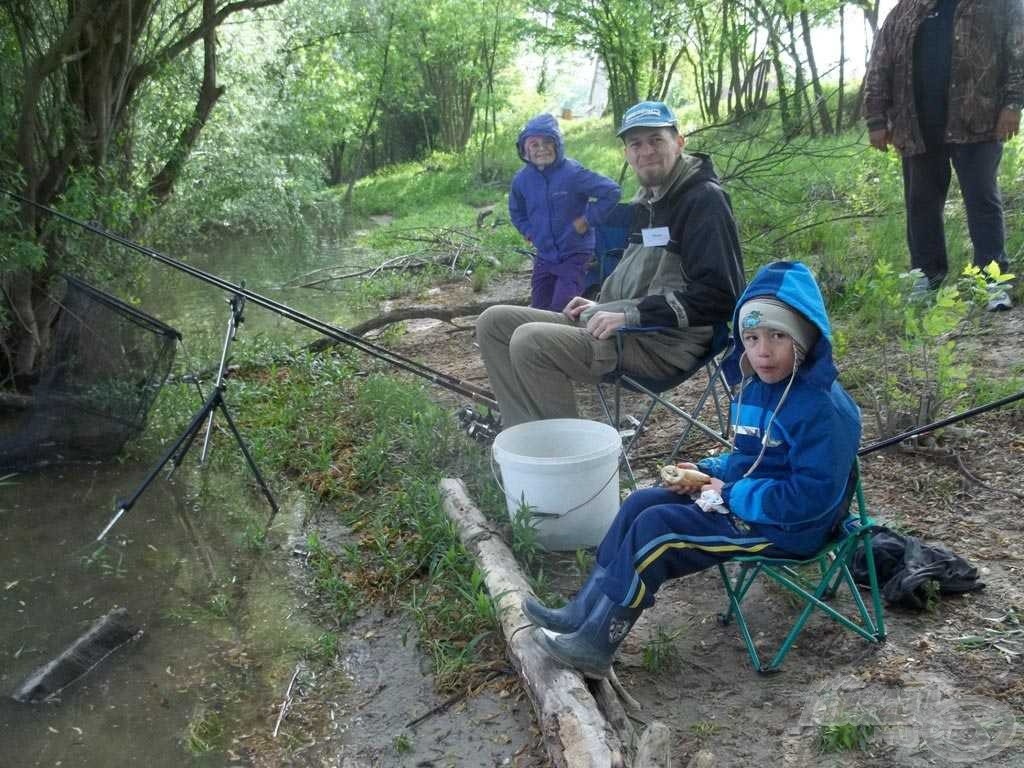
(796,492)
(543,204)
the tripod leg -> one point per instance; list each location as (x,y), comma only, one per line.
(248,458)
(176,452)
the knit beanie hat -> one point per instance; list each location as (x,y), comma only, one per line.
(769,312)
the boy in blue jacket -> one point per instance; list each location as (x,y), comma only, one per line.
(555,203)
(779,492)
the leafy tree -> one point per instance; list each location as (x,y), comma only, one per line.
(369,82)
(639,43)
(74,72)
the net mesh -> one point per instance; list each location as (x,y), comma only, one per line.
(106,365)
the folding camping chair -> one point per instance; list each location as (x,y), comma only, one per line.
(609,242)
(656,391)
(611,238)
(832,562)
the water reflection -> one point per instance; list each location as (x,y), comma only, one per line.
(270,265)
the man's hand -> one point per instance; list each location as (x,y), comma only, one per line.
(880,139)
(575,307)
(581,226)
(602,324)
(1008,124)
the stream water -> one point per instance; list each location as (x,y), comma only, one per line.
(175,564)
(178,561)
(223,623)
(274,266)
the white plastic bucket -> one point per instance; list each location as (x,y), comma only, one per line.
(567,472)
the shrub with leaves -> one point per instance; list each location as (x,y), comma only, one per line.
(912,367)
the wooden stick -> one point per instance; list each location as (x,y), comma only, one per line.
(575,732)
(287,701)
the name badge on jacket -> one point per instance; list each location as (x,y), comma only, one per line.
(655,236)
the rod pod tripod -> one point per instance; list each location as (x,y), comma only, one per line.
(176,453)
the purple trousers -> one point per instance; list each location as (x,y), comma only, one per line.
(554,285)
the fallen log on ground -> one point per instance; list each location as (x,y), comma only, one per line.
(434,311)
(576,732)
(15,402)
(106,635)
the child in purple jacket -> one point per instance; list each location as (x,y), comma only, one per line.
(555,203)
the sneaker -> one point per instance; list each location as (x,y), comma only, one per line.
(998,299)
(922,290)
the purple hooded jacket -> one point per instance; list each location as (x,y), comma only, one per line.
(543,204)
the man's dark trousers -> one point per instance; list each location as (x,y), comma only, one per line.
(926,180)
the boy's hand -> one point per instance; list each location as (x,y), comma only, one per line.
(684,478)
(575,307)
(581,225)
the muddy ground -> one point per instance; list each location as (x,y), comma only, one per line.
(945,689)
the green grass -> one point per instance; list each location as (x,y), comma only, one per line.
(703,730)
(372,447)
(205,732)
(844,737)
(660,653)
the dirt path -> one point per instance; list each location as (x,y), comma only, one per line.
(934,698)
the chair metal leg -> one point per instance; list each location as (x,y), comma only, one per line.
(710,392)
(869,557)
(871,627)
(737,591)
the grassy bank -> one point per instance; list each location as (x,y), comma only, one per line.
(370,449)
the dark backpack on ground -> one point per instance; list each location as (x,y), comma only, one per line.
(905,565)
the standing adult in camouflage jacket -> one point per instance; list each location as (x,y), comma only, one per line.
(945,86)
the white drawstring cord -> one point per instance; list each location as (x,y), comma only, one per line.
(797,359)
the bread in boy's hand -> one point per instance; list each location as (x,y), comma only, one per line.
(674,475)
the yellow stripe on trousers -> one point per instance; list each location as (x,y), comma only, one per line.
(688,545)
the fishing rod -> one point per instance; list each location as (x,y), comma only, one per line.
(888,441)
(441,379)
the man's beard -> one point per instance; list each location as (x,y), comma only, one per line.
(653,177)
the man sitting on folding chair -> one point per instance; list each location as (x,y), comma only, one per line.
(681,271)
(778,493)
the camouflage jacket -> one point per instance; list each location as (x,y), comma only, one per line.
(986,71)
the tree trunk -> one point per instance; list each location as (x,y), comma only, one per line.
(720,74)
(819,94)
(209,93)
(870,9)
(334,163)
(842,68)
(736,87)
(371,118)
(800,84)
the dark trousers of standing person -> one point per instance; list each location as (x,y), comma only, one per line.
(926,180)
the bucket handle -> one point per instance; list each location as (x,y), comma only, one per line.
(546,515)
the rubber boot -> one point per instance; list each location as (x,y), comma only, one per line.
(590,648)
(570,616)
